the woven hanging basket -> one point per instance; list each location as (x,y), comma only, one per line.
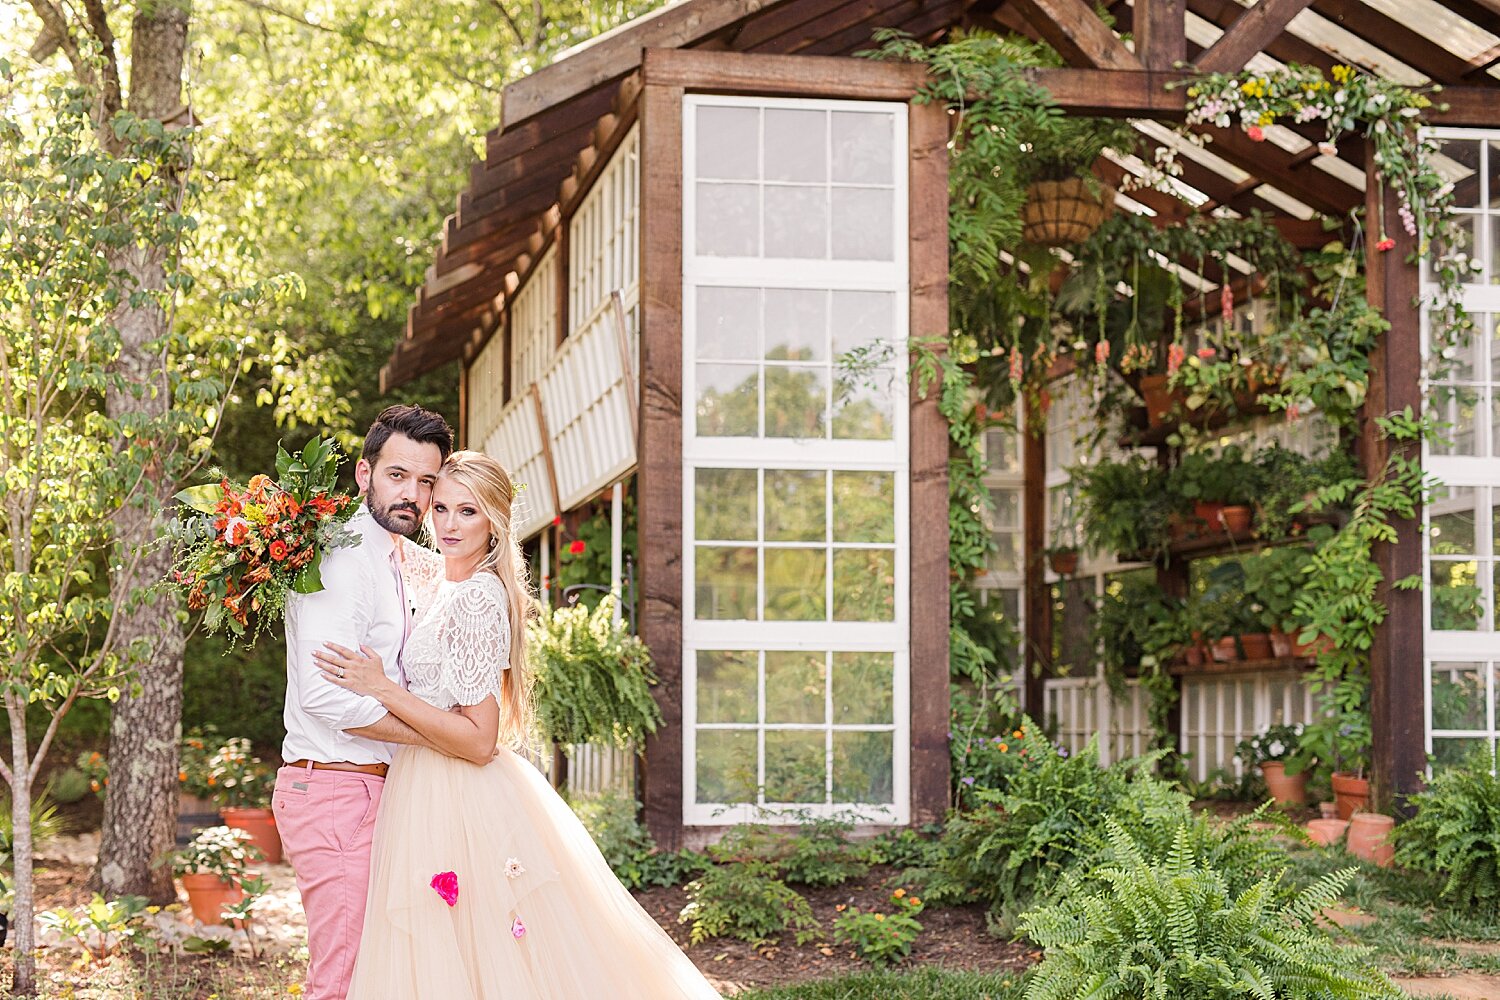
(1058,213)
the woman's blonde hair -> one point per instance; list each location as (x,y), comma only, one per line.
(494,495)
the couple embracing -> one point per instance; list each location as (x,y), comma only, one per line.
(433,860)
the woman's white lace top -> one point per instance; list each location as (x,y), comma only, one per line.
(461,640)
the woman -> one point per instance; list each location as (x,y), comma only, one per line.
(483,883)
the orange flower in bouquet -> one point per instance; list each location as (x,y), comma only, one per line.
(245,548)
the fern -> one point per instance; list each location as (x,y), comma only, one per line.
(593,678)
(1455,833)
(1171,927)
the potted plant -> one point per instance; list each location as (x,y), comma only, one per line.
(1065,202)
(242,787)
(212,867)
(1124,507)
(1275,752)
(1275,577)
(1063,559)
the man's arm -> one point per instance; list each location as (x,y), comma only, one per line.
(392,730)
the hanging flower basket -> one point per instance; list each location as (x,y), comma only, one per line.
(1059,213)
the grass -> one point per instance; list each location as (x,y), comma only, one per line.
(918,984)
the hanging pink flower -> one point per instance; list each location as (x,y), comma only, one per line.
(517,929)
(1016,362)
(1206,353)
(1256,133)
(446,886)
(1293,413)
(1176,355)
(1386,243)
(1226,300)
(1101,352)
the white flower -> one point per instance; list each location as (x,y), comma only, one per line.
(1328,149)
(513,868)
(1276,749)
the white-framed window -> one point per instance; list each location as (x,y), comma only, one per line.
(796,609)
(1461,538)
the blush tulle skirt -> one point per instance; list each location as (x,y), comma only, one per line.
(538,914)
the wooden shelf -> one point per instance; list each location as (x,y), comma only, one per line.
(1214,667)
(1142,435)
(1223,543)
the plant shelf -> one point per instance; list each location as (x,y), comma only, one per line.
(1213,667)
(1141,434)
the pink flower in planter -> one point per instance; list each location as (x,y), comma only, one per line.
(1256,133)
(446,885)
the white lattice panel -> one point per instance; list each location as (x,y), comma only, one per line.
(485,393)
(594,769)
(516,443)
(1218,712)
(1083,706)
(604,236)
(586,398)
(533,324)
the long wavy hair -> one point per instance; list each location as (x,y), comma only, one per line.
(494,494)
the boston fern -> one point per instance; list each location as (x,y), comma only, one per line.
(1175,930)
(1456,832)
(593,678)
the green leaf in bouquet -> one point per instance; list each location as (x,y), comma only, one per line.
(201,498)
(310,579)
(213,616)
(283,462)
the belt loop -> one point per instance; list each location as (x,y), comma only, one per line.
(307,767)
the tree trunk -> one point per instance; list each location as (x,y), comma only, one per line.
(22,924)
(140,814)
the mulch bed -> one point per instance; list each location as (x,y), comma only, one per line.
(952,937)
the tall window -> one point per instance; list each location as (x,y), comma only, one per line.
(795,458)
(1462,539)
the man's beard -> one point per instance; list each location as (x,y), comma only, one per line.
(382,515)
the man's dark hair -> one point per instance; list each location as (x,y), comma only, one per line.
(422,426)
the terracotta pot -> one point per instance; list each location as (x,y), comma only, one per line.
(1367,838)
(1235,518)
(1281,643)
(1288,789)
(1057,213)
(1160,401)
(261,826)
(1318,645)
(1178,527)
(1225,650)
(1193,655)
(208,895)
(1208,513)
(1350,793)
(1327,831)
(1063,563)
(1257,646)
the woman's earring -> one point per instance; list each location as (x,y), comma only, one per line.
(493,541)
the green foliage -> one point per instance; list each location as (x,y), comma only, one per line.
(593,678)
(922,983)
(1174,928)
(745,900)
(45,825)
(628,846)
(881,938)
(217,850)
(1124,507)
(591,566)
(102,927)
(68,786)
(1455,832)
(818,853)
(236,778)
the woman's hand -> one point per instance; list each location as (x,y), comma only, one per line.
(362,672)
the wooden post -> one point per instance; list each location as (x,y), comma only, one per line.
(464,372)
(1397,698)
(1038,607)
(660,458)
(928,214)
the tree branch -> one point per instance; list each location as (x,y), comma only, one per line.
(98,22)
(515,29)
(55,24)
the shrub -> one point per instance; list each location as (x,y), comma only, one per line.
(217,850)
(593,678)
(817,853)
(101,927)
(236,777)
(746,900)
(68,786)
(1175,929)
(1456,832)
(45,824)
(628,846)
(881,939)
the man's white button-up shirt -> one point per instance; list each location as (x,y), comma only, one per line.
(358,605)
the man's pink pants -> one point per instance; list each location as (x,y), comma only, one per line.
(327,825)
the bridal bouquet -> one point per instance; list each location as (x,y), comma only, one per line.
(244,548)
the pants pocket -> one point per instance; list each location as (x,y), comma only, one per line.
(353,812)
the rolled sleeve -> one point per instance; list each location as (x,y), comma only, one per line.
(340,613)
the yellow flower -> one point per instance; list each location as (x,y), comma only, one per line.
(1019,733)
(1343,73)
(153,909)
(295,989)
(880,916)
(1266,119)
(1004,747)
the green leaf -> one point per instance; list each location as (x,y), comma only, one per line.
(310,580)
(201,498)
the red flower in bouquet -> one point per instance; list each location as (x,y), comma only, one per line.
(278,550)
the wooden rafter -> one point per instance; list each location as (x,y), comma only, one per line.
(1160,32)
(1250,33)
(1286,47)
(1416,50)
(1076,32)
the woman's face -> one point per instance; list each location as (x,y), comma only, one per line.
(459,527)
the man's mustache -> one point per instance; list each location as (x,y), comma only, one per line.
(405,506)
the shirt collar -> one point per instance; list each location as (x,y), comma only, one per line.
(372,533)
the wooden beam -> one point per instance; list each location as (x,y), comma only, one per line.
(1075,31)
(1160,33)
(1251,32)
(1322,191)
(794,26)
(1397,691)
(616,53)
(1414,49)
(808,76)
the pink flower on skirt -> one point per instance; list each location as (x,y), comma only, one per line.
(446,884)
(517,929)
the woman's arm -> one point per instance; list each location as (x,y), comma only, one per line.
(468,733)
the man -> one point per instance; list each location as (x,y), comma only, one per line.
(338,744)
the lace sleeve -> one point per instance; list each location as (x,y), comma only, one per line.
(421,571)
(475,641)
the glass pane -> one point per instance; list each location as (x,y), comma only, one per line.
(796,401)
(1451,527)
(1454,407)
(864,585)
(1493,155)
(1009,600)
(1491,325)
(1459,162)
(724,583)
(796,583)
(727,688)
(862,686)
(728,222)
(796,324)
(1458,696)
(1007,555)
(724,505)
(796,767)
(1456,596)
(1494,519)
(1458,362)
(1452,752)
(796,145)
(726,325)
(864,507)
(796,222)
(728,145)
(1005,505)
(863,224)
(861,319)
(795,684)
(1002,450)
(796,505)
(725,765)
(1467,241)
(1492,261)
(864,404)
(728,400)
(864,766)
(863,147)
